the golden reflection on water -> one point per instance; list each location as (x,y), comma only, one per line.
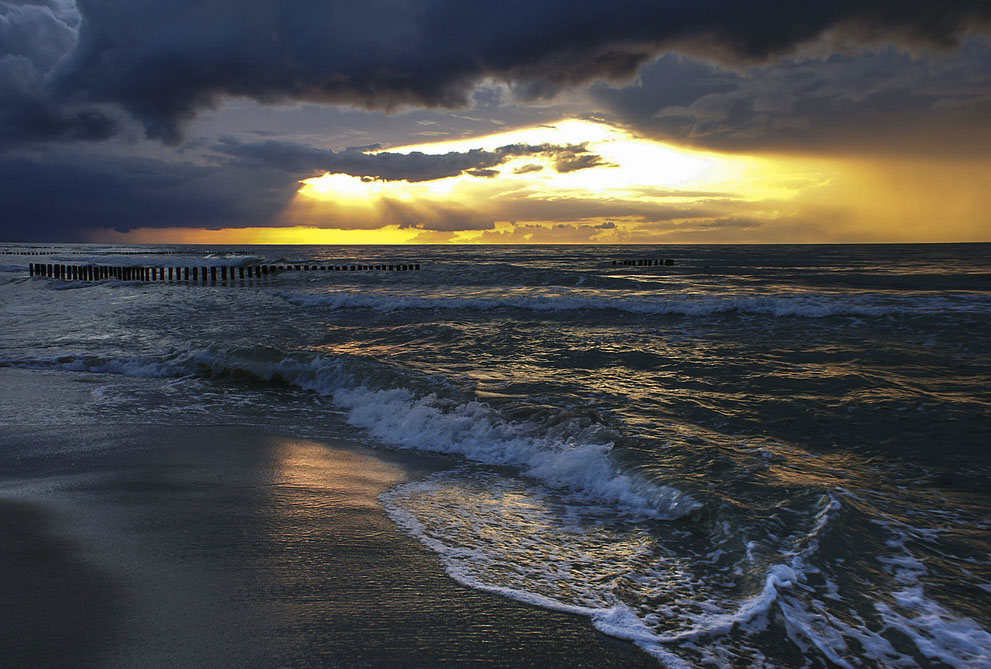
(310,477)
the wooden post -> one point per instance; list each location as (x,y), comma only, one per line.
(213,274)
(240,272)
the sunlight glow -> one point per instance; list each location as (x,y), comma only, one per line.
(631,177)
(639,191)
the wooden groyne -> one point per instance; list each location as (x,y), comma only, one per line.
(198,273)
(183,252)
(645,262)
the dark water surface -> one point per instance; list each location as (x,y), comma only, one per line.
(761,454)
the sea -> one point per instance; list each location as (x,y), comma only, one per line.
(763,455)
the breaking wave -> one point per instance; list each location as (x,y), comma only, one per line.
(573,455)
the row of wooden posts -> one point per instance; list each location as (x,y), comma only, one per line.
(645,262)
(225,272)
(187,252)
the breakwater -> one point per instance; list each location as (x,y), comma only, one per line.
(644,262)
(199,273)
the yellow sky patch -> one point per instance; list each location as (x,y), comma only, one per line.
(645,192)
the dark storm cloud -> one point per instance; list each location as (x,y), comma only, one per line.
(35,31)
(877,100)
(34,36)
(165,61)
(308,161)
(58,197)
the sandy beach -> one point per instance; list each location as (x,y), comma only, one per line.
(152,545)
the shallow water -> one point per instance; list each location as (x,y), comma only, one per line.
(765,454)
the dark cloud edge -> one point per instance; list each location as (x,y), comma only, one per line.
(165,64)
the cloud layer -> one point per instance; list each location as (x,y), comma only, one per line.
(878,100)
(307,161)
(165,61)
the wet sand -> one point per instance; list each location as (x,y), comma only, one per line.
(140,545)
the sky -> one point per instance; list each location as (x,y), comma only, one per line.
(434,121)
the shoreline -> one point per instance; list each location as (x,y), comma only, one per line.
(153,545)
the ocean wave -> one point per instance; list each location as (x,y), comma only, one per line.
(510,538)
(804,306)
(572,456)
(623,577)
